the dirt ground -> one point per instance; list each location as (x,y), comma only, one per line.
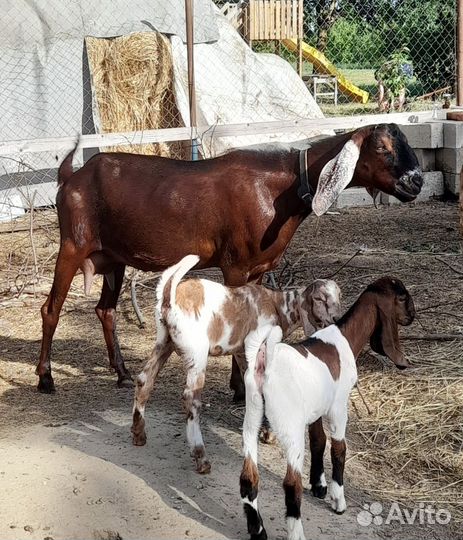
(68,467)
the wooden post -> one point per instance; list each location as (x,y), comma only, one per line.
(461,206)
(459,58)
(191,73)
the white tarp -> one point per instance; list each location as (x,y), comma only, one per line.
(42,47)
(235,85)
(45,88)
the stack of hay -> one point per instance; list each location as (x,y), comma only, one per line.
(133,81)
(411,440)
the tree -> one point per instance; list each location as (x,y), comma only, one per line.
(427,27)
(324,13)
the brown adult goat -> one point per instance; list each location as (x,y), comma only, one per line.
(238,212)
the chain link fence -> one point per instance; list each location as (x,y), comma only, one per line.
(359,56)
(72,67)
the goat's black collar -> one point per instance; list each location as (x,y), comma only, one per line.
(304,191)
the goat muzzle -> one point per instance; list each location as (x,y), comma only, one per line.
(409,185)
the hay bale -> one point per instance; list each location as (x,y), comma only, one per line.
(133,81)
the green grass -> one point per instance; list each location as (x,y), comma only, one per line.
(364,79)
(360,77)
(345,108)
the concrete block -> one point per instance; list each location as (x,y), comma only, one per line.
(354,197)
(453,134)
(452,182)
(425,135)
(426,158)
(433,186)
(449,159)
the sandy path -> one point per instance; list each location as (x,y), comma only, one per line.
(68,468)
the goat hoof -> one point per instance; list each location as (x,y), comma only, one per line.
(125,381)
(260,536)
(204,467)
(239,396)
(319,491)
(339,506)
(46,384)
(139,439)
(267,436)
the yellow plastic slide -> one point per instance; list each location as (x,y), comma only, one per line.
(321,64)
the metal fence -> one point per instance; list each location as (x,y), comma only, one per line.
(359,56)
(101,66)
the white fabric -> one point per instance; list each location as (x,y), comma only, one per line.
(45,88)
(41,51)
(235,85)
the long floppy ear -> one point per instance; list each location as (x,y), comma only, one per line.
(304,306)
(337,173)
(385,338)
(304,309)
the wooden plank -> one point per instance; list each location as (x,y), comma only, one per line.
(268,20)
(300,35)
(288,17)
(272,19)
(99,140)
(250,22)
(285,17)
(53,144)
(251,19)
(263,30)
(256,18)
(301,125)
(294,18)
(300,18)
(278,20)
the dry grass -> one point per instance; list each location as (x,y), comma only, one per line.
(410,448)
(133,80)
(412,437)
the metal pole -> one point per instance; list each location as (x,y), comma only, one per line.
(300,33)
(459,58)
(191,73)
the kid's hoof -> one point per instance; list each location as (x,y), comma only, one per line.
(139,439)
(319,491)
(203,467)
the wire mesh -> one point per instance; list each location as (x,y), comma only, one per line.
(400,52)
(70,67)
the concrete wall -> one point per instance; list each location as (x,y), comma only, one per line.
(439,147)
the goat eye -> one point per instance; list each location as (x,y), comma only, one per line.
(382,149)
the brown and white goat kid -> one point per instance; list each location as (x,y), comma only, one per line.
(198,318)
(310,381)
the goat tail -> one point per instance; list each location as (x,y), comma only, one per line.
(274,337)
(65,170)
(167,286)
(259,347)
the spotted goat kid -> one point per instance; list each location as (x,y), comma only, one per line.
(198,318)
(309,381)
